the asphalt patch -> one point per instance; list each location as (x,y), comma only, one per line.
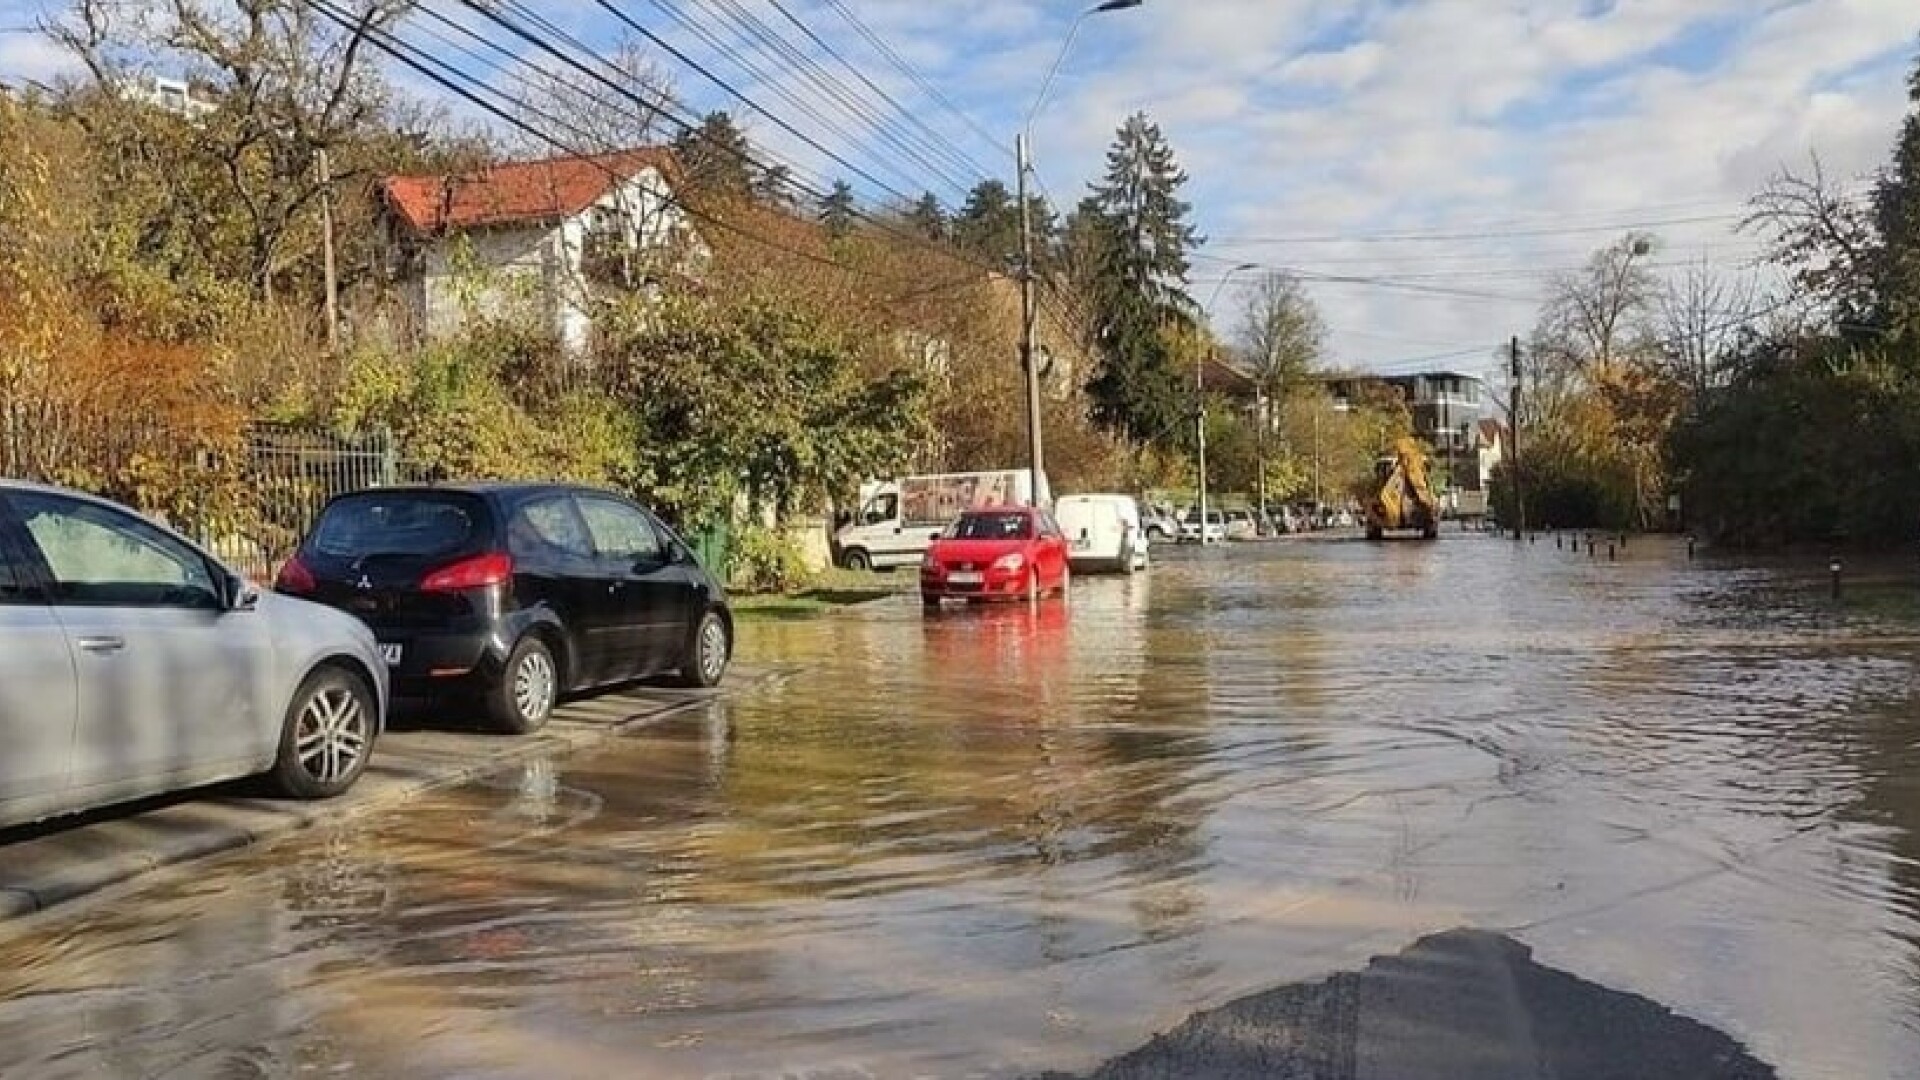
(1463,1005)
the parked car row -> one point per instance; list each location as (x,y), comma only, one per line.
(138,664)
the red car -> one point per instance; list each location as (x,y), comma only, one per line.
(1008,553)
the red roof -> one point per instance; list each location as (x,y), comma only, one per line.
(517,191)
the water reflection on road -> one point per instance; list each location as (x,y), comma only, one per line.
(1008,839)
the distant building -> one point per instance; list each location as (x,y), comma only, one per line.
(1445,405)
(535,237)
(172,95)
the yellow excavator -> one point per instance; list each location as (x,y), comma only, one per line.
(1404,501)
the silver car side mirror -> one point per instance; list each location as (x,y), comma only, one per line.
(242,595)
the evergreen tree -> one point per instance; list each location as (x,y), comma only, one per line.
(837,213)
(927,218)
(1141,197)
(988,226)
(716,156)
(1897,215)
(1128,246)
(774,186)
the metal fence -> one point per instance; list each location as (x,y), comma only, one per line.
(289,474)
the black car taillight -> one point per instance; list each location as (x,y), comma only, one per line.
(480,572)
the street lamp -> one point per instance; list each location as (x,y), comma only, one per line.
(1023,164)
(1200,392)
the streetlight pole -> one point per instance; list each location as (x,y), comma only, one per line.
(1200,392)
(1029,311)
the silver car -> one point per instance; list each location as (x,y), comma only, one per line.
(132,663)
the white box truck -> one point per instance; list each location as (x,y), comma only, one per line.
(899,519)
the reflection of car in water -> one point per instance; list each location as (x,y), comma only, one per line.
(1023,646)
(1008,554)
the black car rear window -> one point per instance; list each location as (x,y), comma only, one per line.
(992,527)
(415,524)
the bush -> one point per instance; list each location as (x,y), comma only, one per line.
(763,560)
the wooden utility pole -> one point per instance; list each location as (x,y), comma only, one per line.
(1513,437)
(1029,317)
(326,249)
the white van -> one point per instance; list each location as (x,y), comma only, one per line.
(899,519)
(1103,533)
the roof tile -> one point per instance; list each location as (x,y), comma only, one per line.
(516,192)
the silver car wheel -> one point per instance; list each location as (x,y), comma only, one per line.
(713,650)
(533,685)
(332,735)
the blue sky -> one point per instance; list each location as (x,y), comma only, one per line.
(1449,154)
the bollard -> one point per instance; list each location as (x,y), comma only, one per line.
(1589,547)
(1623,541)
(1557,545)
(1610,554)
(1690,547)
(1833,568)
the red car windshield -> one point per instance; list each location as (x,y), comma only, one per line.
(991,527)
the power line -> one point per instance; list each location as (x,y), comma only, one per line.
(750,34)
(1454,237)
(660,106)
(424,65)
(900,64)
(913,118)
(732,91)
(780,50)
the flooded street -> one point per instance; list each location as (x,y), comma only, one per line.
(997,842)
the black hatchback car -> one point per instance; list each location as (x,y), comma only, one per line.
(519,592)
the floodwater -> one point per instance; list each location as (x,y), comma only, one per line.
(1002,841)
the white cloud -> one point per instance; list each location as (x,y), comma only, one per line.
(29,56)
(1342,68)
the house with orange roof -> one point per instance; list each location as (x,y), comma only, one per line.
(538,239)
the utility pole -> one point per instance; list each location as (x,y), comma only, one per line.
(1200,426)
(1260,450)
(1513,437)
(326,248)
(1028,349)
(1317,508)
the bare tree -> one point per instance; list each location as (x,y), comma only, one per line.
(1702,316)
(1825,237)
(286,83)
(625,107)
(1597,319)
(1281,332)
(1282,337)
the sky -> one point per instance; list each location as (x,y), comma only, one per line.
(1425,165)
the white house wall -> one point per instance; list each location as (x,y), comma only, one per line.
(540,268)
(498,272)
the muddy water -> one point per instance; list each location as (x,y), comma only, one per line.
(1002,841)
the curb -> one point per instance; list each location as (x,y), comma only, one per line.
(48,866)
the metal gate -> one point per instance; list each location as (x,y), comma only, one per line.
(290,474)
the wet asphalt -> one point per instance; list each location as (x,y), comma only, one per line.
(1308,809)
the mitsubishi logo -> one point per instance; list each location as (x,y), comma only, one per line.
(365,584)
